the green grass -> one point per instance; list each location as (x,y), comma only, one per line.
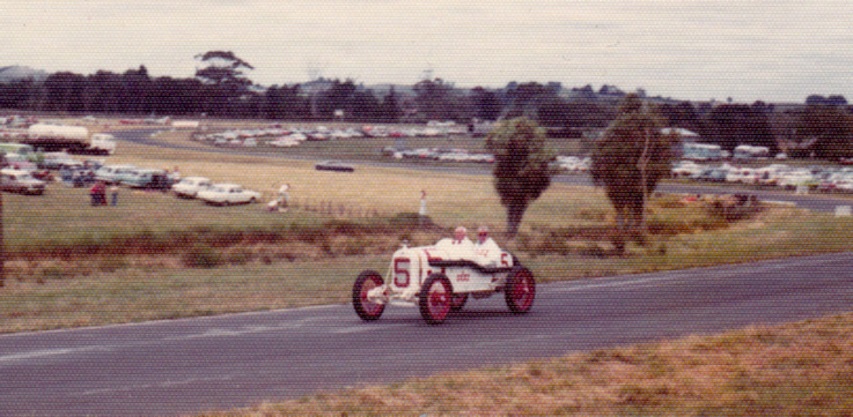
(799,369)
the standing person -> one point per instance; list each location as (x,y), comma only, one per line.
(423,210)
(98,193)
(114,195)
(284,197)
(487,251)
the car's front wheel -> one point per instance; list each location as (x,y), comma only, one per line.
(434,300)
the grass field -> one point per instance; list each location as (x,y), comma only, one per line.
(798,369)
(76,285)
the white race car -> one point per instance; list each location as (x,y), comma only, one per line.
(430,277)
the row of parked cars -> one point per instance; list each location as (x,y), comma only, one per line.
(439,154)
(280,136)
(223,194)
(200,188)
(821,178)
(74,173)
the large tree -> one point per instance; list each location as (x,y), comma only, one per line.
(522,171)
(730,125)
(223,69)
(629,161)
(827,131)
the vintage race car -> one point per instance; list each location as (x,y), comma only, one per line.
(438,282)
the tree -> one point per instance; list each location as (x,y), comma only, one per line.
(225,83)
(435,100)
(825,130)
(224,69)
(522,171)
(629,161)
(487,105)
(389,111)
(730,125)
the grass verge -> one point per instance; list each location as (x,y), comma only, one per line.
(799,369)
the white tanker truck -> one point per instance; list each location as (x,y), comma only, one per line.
(72,139)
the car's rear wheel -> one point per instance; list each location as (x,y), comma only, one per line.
(520,290)
(435,298)
(366,309)
(457,301)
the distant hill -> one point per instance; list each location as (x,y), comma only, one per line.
(16,73)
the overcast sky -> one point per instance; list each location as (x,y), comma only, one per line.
(749,50)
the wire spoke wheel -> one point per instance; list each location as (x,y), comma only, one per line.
(364,307)
(520,290)
(435,299)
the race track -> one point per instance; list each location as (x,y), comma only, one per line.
(186,366)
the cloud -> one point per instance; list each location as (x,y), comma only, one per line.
(757,49)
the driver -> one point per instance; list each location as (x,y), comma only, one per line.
(460,247)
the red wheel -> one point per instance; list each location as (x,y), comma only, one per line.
(457,301)
(520,290)
(366,309)
(435,298)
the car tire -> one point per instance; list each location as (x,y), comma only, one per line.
(364,308)
(434,299)
(520,290)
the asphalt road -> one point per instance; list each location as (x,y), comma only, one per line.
(186,366)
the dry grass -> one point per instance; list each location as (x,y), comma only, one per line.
(802,369)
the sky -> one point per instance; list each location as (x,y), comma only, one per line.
(774,51)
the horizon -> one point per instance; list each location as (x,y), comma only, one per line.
(757,50)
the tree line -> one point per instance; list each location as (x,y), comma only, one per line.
(822,127)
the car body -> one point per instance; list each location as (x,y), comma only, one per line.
(59,162)
(19,162)
(18,181)
(156,179)
(686,169)
(190,186)
(334,165)
(429,277)
(711,175)
(227,194)
(112,174)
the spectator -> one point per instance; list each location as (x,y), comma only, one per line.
(114,195)
(98,193)
(284,197)
(422,212)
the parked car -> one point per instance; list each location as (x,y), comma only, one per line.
(686,169)
(227,194)
(111,174)
(333,165)
(711,175)
(156,179)
(17,161)
(794,178)
(18,181)
(190,186)
(60,160)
